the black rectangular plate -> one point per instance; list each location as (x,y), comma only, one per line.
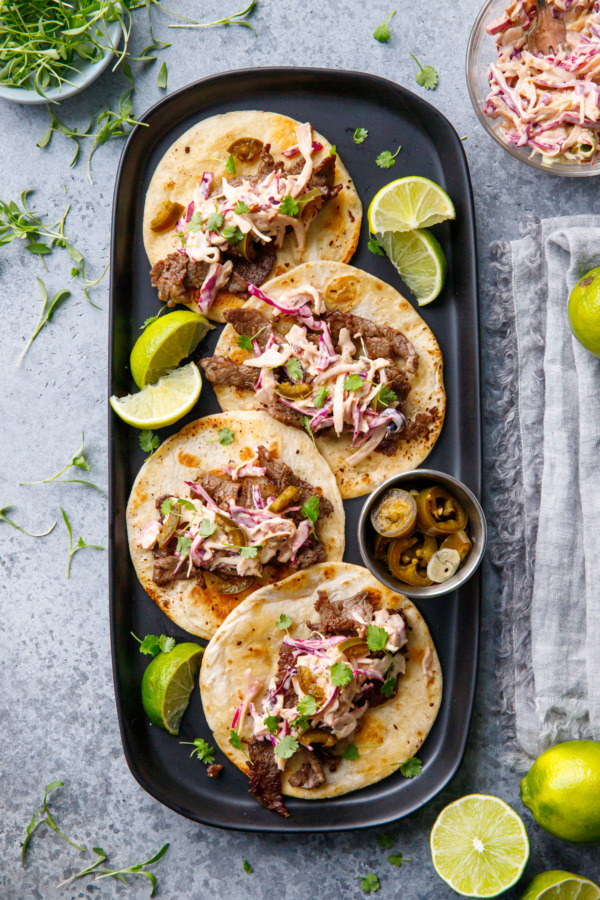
(335,102)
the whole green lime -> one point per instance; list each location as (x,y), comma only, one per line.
(562,790)
(559,885)
(168,683)
(584,311)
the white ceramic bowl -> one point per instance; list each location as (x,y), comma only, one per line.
(86,74)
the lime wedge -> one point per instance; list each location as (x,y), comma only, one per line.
(167,684)
(409,203)
(557,885)
(162,403)
(420,261)
(479,846)
(164,343)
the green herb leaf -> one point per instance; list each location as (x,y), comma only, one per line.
(195,223)
(386,841)
(411,767)
(4,518)
(307,706)
(226,436)
(286,747)
(235,19)
(49,307)
(369,883)
(385,396)
(202,751)
(272,723)
(230,165)
(207,528)
(150,646)
(214,222)
(247,867)
(232,234)
(320,397)
(135,870)
(341,674)
(240,208)
(351,752)
(284,622)
(166,643)
(235,740)
(382,32)
(388,687)
(81,544)
(294,369)
(184,544)
(305,422)
(249,552)
(77,461)
(396,859)
(353,382)
(152,319)
(245,342)
(375,247)
(426,77)
(101,858)
(149,442)
(332,150)
(43,816)
(288,206)
(310,510)
(360,135)
(377,638)
(386,160)
(161,81)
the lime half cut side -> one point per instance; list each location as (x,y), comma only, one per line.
(162,403)
(479,846)
(168,683)
(164,343)
(409,203)
(558,885)
(419,260)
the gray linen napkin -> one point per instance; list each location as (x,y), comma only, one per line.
(544,401)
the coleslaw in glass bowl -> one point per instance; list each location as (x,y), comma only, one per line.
(544,110)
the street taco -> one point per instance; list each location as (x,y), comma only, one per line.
(341,354)
(230,503)
(240,198)
(297,698)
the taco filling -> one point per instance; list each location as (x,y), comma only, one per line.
(322,687)
(325,371)
(232,525)
(230,234)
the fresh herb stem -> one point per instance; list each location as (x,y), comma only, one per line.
(80,545)
(77,461)
(87,283)
(46,819)
(49,307)
(233,19)
(134,870)
(101,858)
(4,518)
(25,224)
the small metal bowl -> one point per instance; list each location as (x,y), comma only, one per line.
(476,529)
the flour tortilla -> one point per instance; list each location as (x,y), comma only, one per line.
(387,735)
(196,449)
(352,290)
(333,234)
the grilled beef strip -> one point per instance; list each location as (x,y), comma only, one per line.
(254,271)
(399,343)
(282,476)
(223,370)
(414,428)
(310,774)
(177,276)
(222,490)
(265,777)
(335,615)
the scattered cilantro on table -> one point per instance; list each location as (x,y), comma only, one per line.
(360,135)
(5,518)
(386,159)
(396,859)
(247,867)
(80,545)
(202,750)
(369,883)
(426,77)
(386,841)
(149,442)
(382,32)
(77,461)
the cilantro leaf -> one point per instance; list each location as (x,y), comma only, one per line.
(375,247)
(153,319)
(320,397)
(166,643)
(161,81)
(272,723)
(226,436)
(294,369)
(310,509)
(382,32)
(248,552)
(202,751)
(386,160)
(396,859)
(195,223)
(305,422)
(286,747)
(244,341)
(411,767)
(166,507)
(183,545)
(385,395)
(284,622)
(247,867)
(288,206)
(206,528)
(230,165)
(333,150)
(154,644)
(386,841)
(360,135)
(426,77)
(307,706)
(388,687)
(214,221)
(351,752)
(377,638)
(300,724)
(232,234)
(235,740)
(341,674)
(369,883)
(240,208)
(353,382)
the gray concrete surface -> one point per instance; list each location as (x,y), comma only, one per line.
(57,713)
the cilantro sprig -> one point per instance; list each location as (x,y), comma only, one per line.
(293,367)
(386,841)
(161,81)
(286,747)
(369,882)
(341,674)
(386,159)
(353,382)
(426,77)
(225,436)
(321,397)
(244,341)
(310,510)
(77,461)
(374,245)
(305,422)
(385,395)
(247,867)
(351,752)
(382,32)
(43,816)
(307,706)
(360,135)
(411,767)
(149,442)
(288,206)
(202,750)
(80,545)
(284,622)
(153,644)
(396,859)
(377,638)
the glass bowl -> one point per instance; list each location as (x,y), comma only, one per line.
(481,51)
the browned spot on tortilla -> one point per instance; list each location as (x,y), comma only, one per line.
(371,731)
(187,459)
(343,292)
(187,149)
(246,453)
(329,572)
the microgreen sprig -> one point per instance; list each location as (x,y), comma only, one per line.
(77,461)
(49,307)
(4,518)
(19,221)
(43,816)
(137,869)
(233,19)
(80,545)
(87,283)
(101,858)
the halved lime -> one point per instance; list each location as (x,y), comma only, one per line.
(420,261)
(479,846)
(167,684)
(162,403)
(409,203)
(557,885)
(164,343)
